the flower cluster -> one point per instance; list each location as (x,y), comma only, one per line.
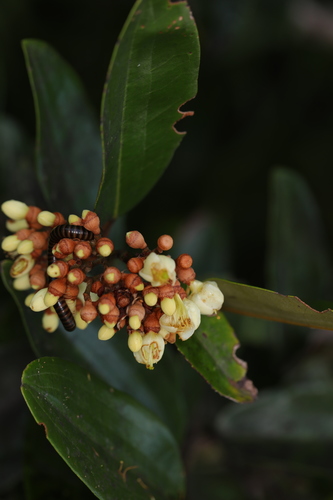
(155,297)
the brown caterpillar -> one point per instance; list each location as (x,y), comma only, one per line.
(59,232)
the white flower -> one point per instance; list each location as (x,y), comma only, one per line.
(185,320)
(207,296)
(151,351)
(158,269)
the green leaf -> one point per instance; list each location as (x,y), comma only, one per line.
(297,257)
(69,154)
(211,351)
(111,360)
(100,432)
(153,71)
(265,304)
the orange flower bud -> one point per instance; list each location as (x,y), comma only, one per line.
(90,221)
(107,303)
(97,287)
(76,276)
(184,261)
(123,298)
(38,280)
(71,291)
(166,291)
(36,253)
(64,247)
(111,275)
(82,249)
(57,287)
(185,275)
(31,217)
(151,323)
(135,264)
(88,312)
(58,269)
(133,282)
(164,242)
(111,319)
(134,239)
(59,219)
(180,290)
(104,247)
(24,234)
(137,310)
(39,239)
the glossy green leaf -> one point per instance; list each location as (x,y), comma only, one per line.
(69,158)
(211,351)
(153,71)
(297,255)
(117,447)
(266,304)
(111,360)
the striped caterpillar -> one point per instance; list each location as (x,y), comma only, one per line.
(72,232)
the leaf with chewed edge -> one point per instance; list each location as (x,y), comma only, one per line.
(117,447)
(266,304)
(152,73)
(211,351)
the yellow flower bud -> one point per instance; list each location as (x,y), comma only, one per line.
(135,341)
(50,299)
(168,306)
(150,299)
(15,209)
(134,322)
(80,323)
(16,225)
(72,219)
(105,333)
(22,283)
(50,321)
(10,243)
(37,302)
(25,247)
(46,218)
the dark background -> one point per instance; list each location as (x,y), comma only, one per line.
(265,100)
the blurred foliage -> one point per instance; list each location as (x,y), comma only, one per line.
(265,99)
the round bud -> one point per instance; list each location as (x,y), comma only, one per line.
(58,269)
(80,323)
(186,275)
(104,247)
(134,322)
(133,282)
(75,219)
(164,242)
(111,275)
(82,250)
(168,306)
(135,264)
(184,261)
(76,276)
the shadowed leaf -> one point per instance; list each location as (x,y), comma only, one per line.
(69,154)
(211,351)
(117,447)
